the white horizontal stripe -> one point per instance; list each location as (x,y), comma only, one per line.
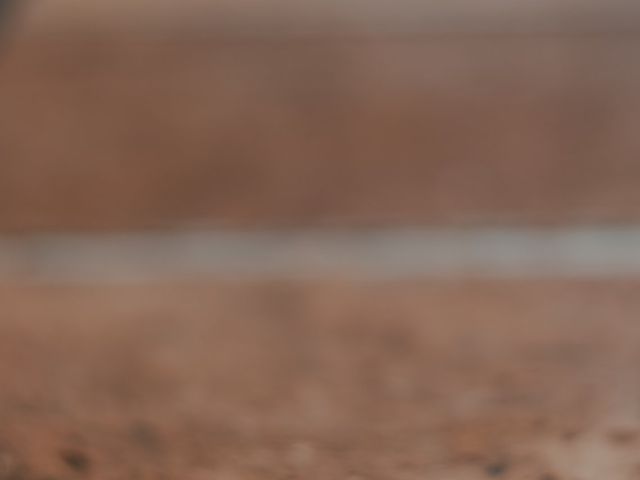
(374,254)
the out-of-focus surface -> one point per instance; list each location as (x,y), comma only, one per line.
(344,16)
(234,342)
(118,116)
(274,380)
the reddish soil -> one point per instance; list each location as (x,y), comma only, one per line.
(327,380)
(165,127)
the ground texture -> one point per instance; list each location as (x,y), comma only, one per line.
(317,380)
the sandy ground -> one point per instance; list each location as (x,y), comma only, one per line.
(278,380)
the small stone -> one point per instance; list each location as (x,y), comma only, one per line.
(496,469)
(623,436)
(76,460)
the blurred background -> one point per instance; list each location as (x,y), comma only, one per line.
(319,239)
(131,115)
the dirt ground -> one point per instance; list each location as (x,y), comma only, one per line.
(321,380)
